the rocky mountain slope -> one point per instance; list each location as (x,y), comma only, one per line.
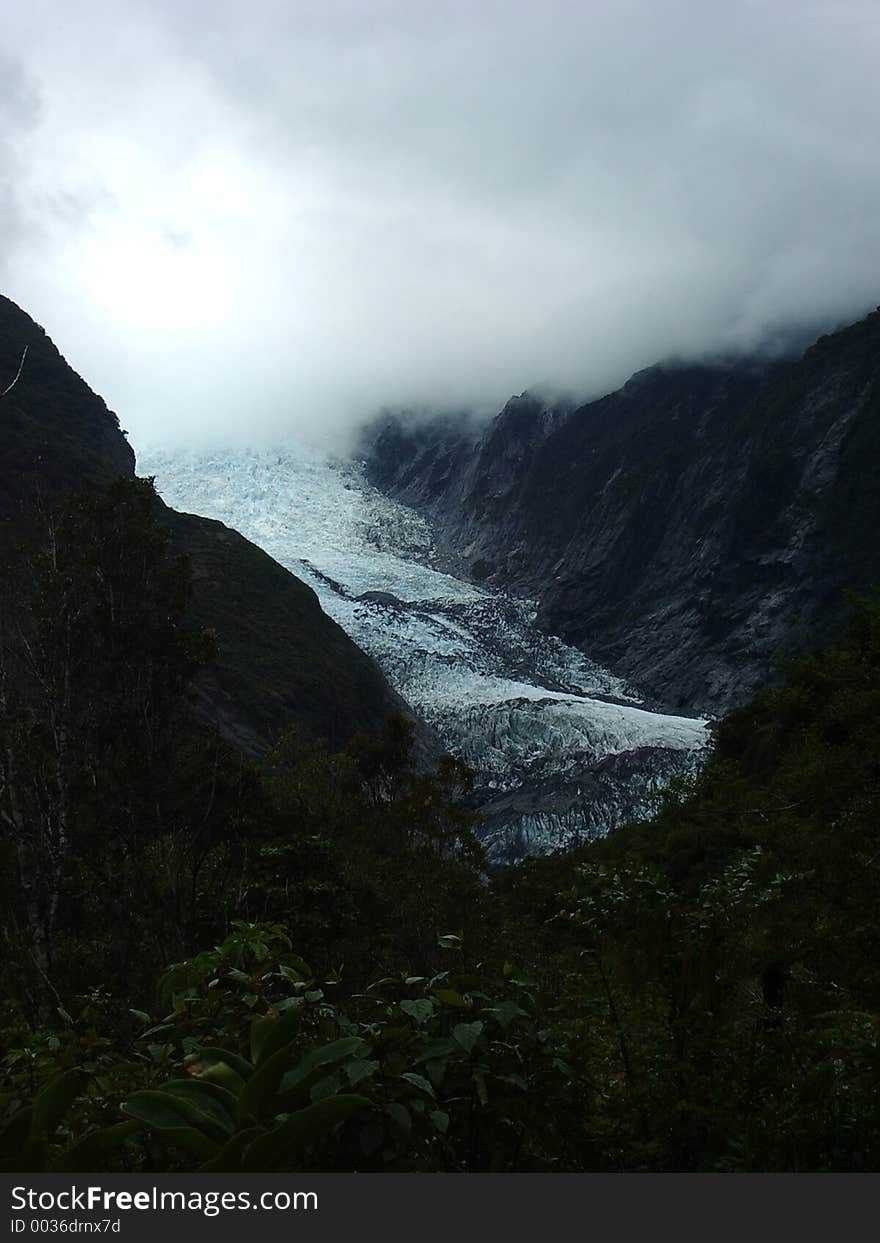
(281,659)
(682,531)
(562,749)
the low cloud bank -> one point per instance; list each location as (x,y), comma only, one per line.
(253,225)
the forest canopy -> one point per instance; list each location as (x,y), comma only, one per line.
(302,962)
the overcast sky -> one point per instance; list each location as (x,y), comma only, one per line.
(238,218)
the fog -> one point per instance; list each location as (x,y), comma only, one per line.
(248,221)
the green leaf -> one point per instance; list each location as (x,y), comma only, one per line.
(218,1072)
(170,1120)
(229,1159)
(450,997)
(160,1027)
(439,1049)
(505,1012)
(162,1111)
(274,1089)
(418,1082)
(436,1069)
(260,1097)
(297,1082)
(53,1101)
(284,1143)
(93,1150)
(359,1070)
(328,1086)
(386,979)
(214,1101)
(467,1035)
(420,1010)
(212,1055)
(440,1120)
(268,1035)
(289,1003)
(296,970)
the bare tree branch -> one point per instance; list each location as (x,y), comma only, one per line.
(11,386)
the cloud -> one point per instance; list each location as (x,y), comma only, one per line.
(19,114)
(281,218)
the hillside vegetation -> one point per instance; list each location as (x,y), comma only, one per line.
(279,659)
(345,988)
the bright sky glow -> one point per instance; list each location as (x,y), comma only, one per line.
(252,221)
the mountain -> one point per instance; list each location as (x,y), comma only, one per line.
(281,659)
(54,431)
(562,750)
(683,530)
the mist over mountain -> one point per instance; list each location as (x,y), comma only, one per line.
(280,659)
(685,530)
(585,554)
(250,227)
(726,926)
(440,713)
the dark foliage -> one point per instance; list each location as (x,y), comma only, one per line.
(697,993)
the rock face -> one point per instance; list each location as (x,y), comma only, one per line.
(281,659)
(54,431)
(561,749)
(681,531)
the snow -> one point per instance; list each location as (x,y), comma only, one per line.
(516,704)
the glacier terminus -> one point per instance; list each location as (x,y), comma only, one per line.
(562,748)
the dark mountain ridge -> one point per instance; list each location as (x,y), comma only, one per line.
(683,530)
(280,658)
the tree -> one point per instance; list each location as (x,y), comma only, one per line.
(94,658)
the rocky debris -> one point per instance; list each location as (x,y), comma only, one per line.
(683,531)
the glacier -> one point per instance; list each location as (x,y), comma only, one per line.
(561,747)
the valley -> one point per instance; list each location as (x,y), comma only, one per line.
(563,749)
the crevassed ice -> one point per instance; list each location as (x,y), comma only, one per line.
(512,701)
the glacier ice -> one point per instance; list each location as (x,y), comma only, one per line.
(537,720)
